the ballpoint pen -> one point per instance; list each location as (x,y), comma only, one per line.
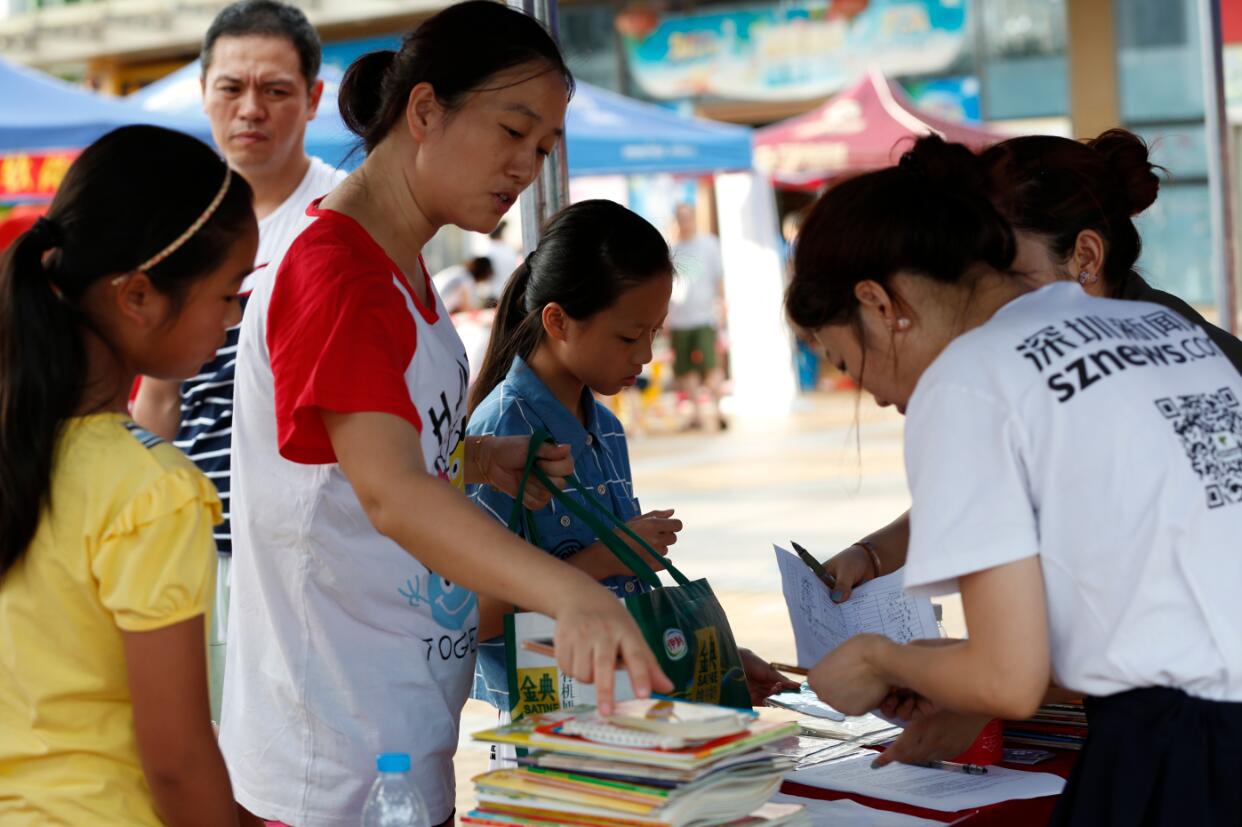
(814,565)
(969,769)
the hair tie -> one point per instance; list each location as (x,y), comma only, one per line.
(193,228)
(47,233)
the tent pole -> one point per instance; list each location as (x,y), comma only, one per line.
(550,191)
(1222,252)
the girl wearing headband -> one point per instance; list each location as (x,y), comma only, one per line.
(106,553)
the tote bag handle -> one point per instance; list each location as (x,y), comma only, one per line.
(520,518)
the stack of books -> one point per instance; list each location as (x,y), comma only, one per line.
(653,763)
(1057,726)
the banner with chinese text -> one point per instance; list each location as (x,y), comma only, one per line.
(33,176)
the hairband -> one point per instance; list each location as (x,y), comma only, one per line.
(193,228)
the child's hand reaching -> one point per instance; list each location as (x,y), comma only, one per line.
(762,679)
(659,529)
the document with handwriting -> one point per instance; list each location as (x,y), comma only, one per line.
(880,606)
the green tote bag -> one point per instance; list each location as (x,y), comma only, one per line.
(684,625)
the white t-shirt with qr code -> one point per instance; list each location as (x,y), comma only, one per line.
(1106,437)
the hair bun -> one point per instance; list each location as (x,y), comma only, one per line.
(361,92)
(1128,157)
(940,162)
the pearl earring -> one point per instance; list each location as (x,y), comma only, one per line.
(903,323)
(1085,277)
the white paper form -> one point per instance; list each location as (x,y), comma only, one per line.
(943,790)
(880,606)
(846,813)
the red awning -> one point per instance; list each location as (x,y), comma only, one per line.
(864,127)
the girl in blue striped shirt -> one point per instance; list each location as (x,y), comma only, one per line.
(577,318)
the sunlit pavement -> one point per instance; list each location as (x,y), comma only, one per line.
(824,475)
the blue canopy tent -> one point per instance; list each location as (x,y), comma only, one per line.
(39,112)
(608,134)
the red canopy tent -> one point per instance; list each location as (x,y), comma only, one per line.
(864,127)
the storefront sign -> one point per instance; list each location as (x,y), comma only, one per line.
(26,176)
(791,51)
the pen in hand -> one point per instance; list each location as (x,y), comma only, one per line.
(814,565)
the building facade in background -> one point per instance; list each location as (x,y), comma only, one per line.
(1005,62)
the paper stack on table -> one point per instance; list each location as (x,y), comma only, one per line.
(654,763)
(935,789)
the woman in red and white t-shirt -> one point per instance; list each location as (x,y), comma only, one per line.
(356,632)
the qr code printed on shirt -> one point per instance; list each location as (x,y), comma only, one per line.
(1210,428)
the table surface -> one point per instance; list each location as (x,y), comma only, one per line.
(1019,813)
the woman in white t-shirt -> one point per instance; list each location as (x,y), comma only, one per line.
(1075,467)
(354,547)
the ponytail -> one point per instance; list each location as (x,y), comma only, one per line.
(590,253)
(43,370)
(515,332)
(117,211)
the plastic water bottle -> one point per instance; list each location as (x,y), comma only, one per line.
(392,801)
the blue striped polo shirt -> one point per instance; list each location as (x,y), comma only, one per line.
(205,435)
(519,406)
(206,431)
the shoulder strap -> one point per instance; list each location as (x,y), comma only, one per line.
(592,517)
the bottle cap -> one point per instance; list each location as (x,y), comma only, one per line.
(393,762)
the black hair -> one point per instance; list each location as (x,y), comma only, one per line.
(928,215)
(116,208)
(267,18)
(457,51)
(1057,187)
(590,253)
(480,268)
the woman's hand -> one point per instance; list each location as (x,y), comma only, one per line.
(501,460)
(761,679)
(593,629)
(905,704)
(658,529)
(939,736)
(847,679)
(850,568)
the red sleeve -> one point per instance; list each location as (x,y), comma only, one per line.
(340,338)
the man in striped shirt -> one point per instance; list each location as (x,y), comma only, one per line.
(260,89)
